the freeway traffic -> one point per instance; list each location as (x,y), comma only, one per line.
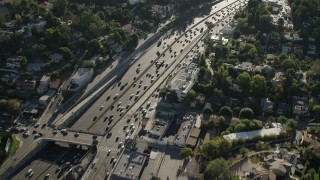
(118,104)
(114,103)
(102,157)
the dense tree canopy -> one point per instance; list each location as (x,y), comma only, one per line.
(246,113)
(258,85)
(244,81)
(217,169)
(225,111)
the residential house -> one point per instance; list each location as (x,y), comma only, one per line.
(266,104)
(44,84)
(39,25)
(99,59)
(5,35)
(296,37)
(128,29)
(56,57)
(199,100)
(10,24)
(9,78)
(279,79)
(35,67)
(312,50)
(162,10)
(228,30)
(267,70)
(244,66)
(283,109)
(298,49)
(300,106)
(233,102)
(81,78)
(25,85)
(286,48)
(275,10)
(55,84)
(14,62)
(134,2)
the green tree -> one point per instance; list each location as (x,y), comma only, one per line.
(244,151)
(217,169)
(59,7)
(291,126)
(24,63)
(223,77)
(258,85)
(13,107)
(316,110)
(261,146)
(134,39)
(186,152)
(315,68)
(289,63)
(220,51)
(315,89)
(221,121)
(244,81)
(226,111)
(3,105)
(88,64)
(93,46)
(246,113)
(208,110)
(65,51)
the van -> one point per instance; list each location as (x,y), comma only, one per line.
(31,174)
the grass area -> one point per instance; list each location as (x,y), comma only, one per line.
(256,159)
(235,178)
(316,176)
(14,145)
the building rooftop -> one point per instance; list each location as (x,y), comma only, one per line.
(44,98)
(130,165)
(245,66)
(45,78)
(158,128)
(184,132)
(251,134)
(80,72)
(184,79)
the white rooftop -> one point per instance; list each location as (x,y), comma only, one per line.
(184,79)
(250,134)
(80,72)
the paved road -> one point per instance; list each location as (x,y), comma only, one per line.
(86,122)
(48,161)
(95,118)
(101,159)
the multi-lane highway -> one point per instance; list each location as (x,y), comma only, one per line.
(116,101)
(182,44)
(111,112)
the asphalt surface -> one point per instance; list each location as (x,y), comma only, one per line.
(98,125)
(101,159)
(94,119)
(48,160)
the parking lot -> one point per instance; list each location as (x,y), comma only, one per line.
(54,161)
